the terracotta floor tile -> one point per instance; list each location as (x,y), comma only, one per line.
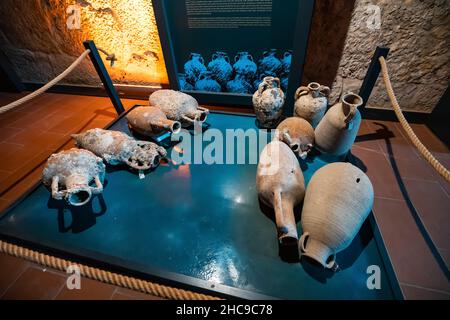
(412,259)
(24,158)
(11,268)
(4,204)
(69,125)
(380,172)
(418,293)
(444,159)
(10,117)
(427,137)
(8,132)
(90,290)
(34,284)
(394,144)
(126,294)
(20,187)
(38,139)
(368,138)
(445,255)
(433,206)
(413,168)
(7,149)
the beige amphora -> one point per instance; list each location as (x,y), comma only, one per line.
(311,102)
(280,185)
(151,122)
(337,131)
(179,106)
(338,199)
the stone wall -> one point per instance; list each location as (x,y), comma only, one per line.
(418,35)
(35,37)
(343,37)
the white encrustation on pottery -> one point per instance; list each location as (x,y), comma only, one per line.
(311,102)
(178,106)
(268,102)
(151,122)
(280,185)
(298,134)
(74,175)
(337,130)
(338,199)
(116,147)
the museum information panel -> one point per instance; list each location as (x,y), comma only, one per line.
(230,45)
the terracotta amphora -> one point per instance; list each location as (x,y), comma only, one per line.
(280,185)
(311,102)
(298,134)
(151,122)
(74,175)
(338,199)
(178,106)
(116,147)
(337,131)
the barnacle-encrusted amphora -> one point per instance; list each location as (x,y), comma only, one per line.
(298,134)
(280,184)
(179,106)
(74,175)
(151,121)
(116,147)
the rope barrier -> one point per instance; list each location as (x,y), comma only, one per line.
(409,131)
(44,88)
(102,275)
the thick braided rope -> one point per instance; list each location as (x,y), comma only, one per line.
(47,86)
(409,131)
(102,275)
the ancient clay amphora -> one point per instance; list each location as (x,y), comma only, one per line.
(311,102)
(268,102)
(338,199)
(280,185)
(298,134)
(337,130)
(116,147)
(151,121)
(74,175)
(178,106)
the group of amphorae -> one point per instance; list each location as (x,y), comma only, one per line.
(76,174)
(339,196)
(336,202)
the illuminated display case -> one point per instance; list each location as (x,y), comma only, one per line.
(219,51)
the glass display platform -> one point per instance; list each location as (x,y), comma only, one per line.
(198,227)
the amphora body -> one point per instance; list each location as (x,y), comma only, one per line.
(268,102)
(280,185)
(178,106)
(337,131)
(338,199)
(298,134)
(74,175)
(311,102)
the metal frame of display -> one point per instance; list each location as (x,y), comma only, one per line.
(300,42)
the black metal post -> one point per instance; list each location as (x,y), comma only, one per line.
(104,76)
(372,74)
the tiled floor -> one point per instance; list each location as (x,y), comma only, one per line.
(412,202)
